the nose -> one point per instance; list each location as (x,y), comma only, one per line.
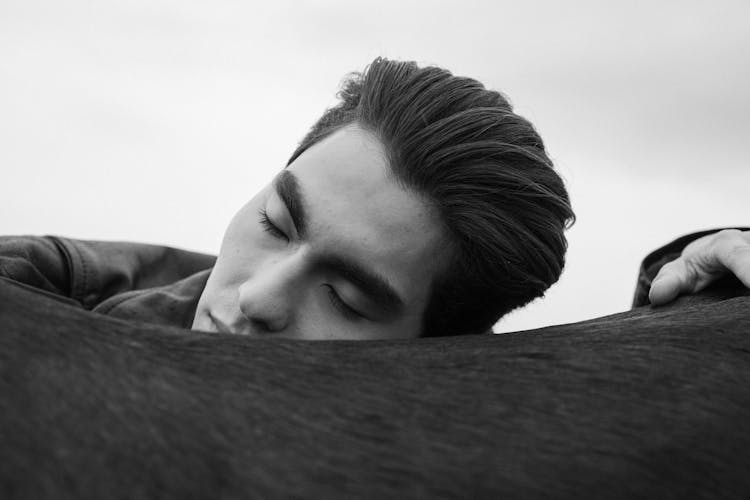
(268,298)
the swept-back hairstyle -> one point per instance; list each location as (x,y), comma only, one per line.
(483,168)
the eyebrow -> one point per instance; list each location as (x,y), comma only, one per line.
(370,282)
(287,188)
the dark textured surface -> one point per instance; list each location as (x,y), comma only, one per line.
(649,403)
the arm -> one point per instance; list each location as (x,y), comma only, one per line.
(36,261)
(92,271)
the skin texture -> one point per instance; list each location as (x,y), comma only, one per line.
(702,262)
(275,277)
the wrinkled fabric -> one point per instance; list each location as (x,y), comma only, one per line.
(133,281)
(162,285)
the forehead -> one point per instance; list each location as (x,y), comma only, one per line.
(357,208)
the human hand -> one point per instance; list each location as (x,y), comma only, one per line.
(702,262)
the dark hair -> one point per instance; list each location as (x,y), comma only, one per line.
(485,170)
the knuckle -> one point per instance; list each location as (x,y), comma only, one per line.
(739,254)
(670,267)
(726,243)
(691,273)
(665,270)
(729,235)
(685,271)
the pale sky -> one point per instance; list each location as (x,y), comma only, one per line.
(156,120)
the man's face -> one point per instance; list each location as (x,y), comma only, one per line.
(333,248)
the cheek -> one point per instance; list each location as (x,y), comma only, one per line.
(245,235)
(316,319)
(240,247)
(241,227)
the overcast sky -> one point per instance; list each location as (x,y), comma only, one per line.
(156,120)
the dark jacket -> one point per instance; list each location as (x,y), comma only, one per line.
(162,285)
(132,281)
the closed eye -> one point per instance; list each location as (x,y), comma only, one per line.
(270,227)
(345,309)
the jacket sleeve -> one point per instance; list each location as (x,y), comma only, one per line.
(92,271)
(654,261)
(35,261)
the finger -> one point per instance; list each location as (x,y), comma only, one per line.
(702,262)
(733,252)
(673,278)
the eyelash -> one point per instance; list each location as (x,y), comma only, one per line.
(270,227)
(342,306)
